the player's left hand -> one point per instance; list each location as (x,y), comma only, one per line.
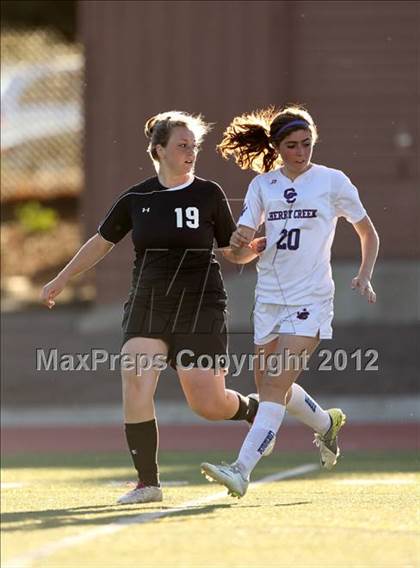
(258,245)
(242,237)
(364,287)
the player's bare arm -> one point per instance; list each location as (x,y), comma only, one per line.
(239,255)
(369,242)
(87,256)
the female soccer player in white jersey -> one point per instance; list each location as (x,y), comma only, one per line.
(299,203)
(177,304)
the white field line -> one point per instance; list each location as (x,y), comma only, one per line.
(25,560)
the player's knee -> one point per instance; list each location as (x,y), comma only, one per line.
(275,389)
(209,410)
(136,389)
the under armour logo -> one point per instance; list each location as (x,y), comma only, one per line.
(290,195)
(245,207)
(273,181)
(303,315)
(134,452)
(145,210)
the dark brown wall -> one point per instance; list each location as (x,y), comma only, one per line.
(358,70)
(355,64)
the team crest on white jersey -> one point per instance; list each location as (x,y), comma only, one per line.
(290,195)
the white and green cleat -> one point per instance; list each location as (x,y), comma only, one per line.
(228,475)
(328,442)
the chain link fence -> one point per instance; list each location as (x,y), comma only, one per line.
(41,116)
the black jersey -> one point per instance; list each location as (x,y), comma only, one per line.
(173,231)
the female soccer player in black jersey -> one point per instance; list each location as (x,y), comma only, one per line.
(176,307)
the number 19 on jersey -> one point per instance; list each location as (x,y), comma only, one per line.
(188,217)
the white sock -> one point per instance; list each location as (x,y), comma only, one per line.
(266,423)
(306,410)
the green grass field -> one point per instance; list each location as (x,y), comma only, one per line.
(58,511)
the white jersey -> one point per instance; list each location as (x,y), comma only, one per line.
(300,217)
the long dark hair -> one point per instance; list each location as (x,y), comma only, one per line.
(253,139)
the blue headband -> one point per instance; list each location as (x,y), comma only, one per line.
(289,125)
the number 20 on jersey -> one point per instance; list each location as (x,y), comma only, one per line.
(289,239)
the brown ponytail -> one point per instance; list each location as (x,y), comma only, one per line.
(247,139)
(149,126)
(253,139)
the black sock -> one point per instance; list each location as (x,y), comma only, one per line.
(142,440)
(247,408)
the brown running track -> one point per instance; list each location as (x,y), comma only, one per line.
(62,439)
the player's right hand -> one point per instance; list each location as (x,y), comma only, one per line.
(51,290)
(362,285)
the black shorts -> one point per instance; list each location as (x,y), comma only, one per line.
(196,338)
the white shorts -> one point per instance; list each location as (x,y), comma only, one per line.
(307,320)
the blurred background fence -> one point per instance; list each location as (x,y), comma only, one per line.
(42,131)
(41,116)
